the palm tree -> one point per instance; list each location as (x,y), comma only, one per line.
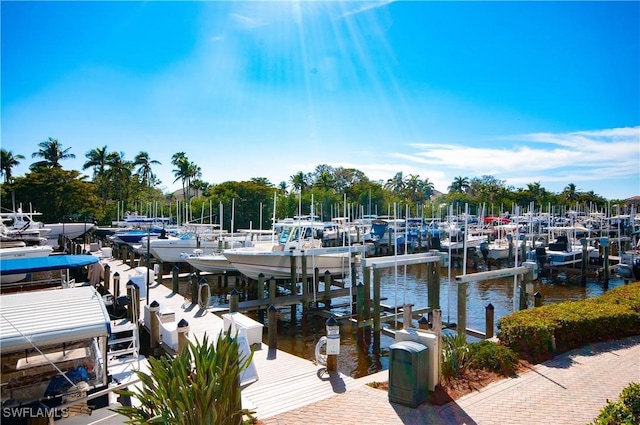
(199,386)
(413,188)
(98,159)
(52,153)
(119,173)
(180,160)
(144,163)
(298,181)
(396,184)
(186,172)
(7,161)
(460,185)
(571,192)
(427,188)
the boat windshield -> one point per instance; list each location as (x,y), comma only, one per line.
(284,235)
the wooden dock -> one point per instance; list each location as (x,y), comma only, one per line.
(284,382)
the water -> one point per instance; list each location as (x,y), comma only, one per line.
(300,336)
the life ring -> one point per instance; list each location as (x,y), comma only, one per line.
(321,359)
(203,300)
(306,245)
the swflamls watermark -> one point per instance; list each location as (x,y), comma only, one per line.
(34,412)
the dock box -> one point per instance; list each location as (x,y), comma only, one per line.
(235,322)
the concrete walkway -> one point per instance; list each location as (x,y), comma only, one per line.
(570,389)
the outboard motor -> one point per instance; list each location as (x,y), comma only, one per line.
(484,250)
(636,269)
(541,256)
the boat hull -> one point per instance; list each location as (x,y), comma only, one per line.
(211,263)
(278,264)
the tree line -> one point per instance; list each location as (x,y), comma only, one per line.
(117,184)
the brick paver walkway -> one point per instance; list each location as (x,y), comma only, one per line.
(570,389)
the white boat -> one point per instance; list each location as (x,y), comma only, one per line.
(174,249)
(296,240)
(211,263)
(52,231)
(22,252)
(458,243)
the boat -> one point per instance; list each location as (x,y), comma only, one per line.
(296,239)
(12,237)
(52,231)
(211,263)
(7,274)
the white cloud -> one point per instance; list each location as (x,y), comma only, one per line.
(365,7)
(546,157)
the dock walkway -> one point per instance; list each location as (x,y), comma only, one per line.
(284,382)
(569,389)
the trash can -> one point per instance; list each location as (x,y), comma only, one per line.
(408,373)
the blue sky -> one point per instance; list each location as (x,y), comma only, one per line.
(526,92)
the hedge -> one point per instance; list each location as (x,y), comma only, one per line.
(540,333)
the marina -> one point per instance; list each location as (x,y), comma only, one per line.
(283,307)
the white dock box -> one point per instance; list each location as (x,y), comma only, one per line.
(235,322)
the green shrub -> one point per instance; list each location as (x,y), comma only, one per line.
(493,357)
(539,333)
(455,355)
(626,411)
(199,386)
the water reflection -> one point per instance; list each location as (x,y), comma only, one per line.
(409,286)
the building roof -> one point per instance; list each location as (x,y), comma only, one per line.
(50,317)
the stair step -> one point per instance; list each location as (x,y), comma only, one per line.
(117,353)
(122,340)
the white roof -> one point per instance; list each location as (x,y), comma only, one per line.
(51,317)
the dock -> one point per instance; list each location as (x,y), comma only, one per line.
(284,381)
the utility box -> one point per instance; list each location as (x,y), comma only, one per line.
(408,373)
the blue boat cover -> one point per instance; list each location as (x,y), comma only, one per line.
(41,264)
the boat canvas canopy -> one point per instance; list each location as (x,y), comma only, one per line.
(51,317)
(41,264)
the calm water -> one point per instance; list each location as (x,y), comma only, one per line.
(300,337)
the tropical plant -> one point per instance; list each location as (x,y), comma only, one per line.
(460,185)
(199,386)
(186,172)
(119,175)
(455,355)
(625,411)
(7,161)
(396,184)
(299,182)
(144,163)
(52,153)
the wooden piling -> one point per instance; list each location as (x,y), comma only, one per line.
(583,263)
(260,296)
(272,328)
(154,326)
(305,283)
(234,300)
(489,313)
(107,276)
(462,309)
(360,309)
(327,290)
(407,318)
(376,312)
(183,335)
(116,284)
(537,299)
(134,296)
